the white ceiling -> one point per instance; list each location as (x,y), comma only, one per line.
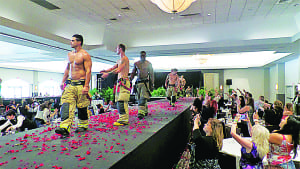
(223,26)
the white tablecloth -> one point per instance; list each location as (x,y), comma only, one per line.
(233,148)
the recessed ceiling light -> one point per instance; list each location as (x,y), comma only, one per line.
(209,14)
(119,15)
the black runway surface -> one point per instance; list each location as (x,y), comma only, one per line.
(152,142)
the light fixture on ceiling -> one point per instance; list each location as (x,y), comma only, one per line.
(173,6)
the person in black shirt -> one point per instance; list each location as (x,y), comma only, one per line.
(101,108)
(208,146)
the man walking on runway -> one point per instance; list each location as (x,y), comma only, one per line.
(123,85)
(75,93)
(172,84)
(144,83)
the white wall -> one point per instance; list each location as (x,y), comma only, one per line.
(251,79)
(291,72)
(7,74)
(273,81)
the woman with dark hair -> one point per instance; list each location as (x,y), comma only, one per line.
(208,146)
(283,141)
(273,116)
(248,108)
(24,110)
(43,114)
(242,102)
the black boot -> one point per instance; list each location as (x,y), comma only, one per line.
(62,131)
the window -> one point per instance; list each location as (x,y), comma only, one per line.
(49,88)
(15,88)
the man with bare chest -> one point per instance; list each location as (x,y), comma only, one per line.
(182,85)
(144,71)
(76,80)
(172,84)
(122,94)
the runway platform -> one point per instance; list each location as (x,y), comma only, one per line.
(154,142)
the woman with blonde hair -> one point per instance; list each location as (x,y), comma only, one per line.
(253,150)
(208,146)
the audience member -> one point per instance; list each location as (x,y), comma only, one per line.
(254,150)
(12,106)
(288,110)
(101,108)
(241,102)
(43,115)
(12,123)
(273,116)
(248,108)
(282,142)
(24,110)
(208,146)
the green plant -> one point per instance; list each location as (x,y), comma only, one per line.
(159,92)
(202,92)
(93,91)
(230,91)
(107,94)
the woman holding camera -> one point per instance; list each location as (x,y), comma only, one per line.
(253,150)
(208,146)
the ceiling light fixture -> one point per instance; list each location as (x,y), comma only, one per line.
(173,6)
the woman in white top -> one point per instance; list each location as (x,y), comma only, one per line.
(43,114)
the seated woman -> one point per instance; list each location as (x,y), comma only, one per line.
(207,147)
(273,116)
(288,110)
(254,150)
(283,141)
(101,108)
(43,115)
(13,123)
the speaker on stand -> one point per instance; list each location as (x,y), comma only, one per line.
(228,82)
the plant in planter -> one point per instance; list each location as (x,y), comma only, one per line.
(159,92)
(93,91)
(107,94)
(202,92)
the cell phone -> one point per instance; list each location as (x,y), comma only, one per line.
(243,116)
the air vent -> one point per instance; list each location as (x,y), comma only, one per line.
(284,1)
(113,19)
(126,8)
(191,14)
(45,4)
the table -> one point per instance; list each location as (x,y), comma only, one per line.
(233,148)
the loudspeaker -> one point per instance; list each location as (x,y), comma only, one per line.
(229,82)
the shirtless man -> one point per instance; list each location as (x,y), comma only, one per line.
(76,78)
(172,83)
(143,68)
(182,82)
(123,85)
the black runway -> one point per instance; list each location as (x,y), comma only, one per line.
(154,142)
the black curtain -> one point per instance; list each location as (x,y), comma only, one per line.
(193,78)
